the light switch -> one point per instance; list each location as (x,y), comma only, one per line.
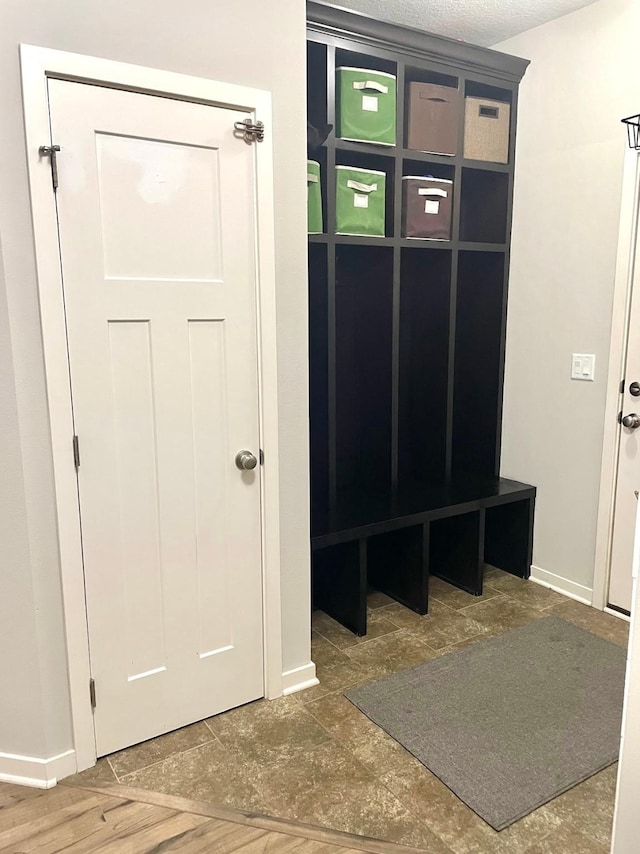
(583,366)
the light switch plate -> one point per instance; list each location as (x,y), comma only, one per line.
(583,366)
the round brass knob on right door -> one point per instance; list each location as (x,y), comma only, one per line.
(632,421)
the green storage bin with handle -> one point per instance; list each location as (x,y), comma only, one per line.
(366,105)
(314,198)
(360,201)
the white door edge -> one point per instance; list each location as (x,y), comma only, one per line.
(37,64)
(626,254)
(625,823)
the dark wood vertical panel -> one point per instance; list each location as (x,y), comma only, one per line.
(363,384)
(479,311)
(318,386)
(424,367)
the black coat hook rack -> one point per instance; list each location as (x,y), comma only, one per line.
(633,130)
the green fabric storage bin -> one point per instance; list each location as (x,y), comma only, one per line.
(314,198)
(366,105)
(360,201)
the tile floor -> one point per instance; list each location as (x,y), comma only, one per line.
(315,758)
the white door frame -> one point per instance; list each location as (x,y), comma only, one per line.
(38,64)
(628,247)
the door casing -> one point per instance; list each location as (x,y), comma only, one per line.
(38,65)
(627,256)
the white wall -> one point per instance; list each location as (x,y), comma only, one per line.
(582,80)
(257,43)
(21,713)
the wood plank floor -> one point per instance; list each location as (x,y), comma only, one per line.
(119,820)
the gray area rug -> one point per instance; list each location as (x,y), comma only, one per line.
(511,722)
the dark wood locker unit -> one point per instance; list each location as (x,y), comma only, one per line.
(407,338)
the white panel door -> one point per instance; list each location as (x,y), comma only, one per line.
(628,477)
(157,238)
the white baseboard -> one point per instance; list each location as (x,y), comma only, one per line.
(299,678)
(38,773)
(562,585)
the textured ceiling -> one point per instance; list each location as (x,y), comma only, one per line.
(482,22)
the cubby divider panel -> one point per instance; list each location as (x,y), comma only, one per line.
(478,369)
(456,550)
(316,94)
(509,537)
(340,584)
(363,297)
(423,366)
(318,382)
(397,564)
(484,206)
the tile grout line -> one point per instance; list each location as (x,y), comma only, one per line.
(439,649)
(113,770)
(357,643)
(329,642)
(365,644)
(121,778)
(504,596)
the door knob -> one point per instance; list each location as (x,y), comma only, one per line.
(632,421)
(634,389)
(246,461)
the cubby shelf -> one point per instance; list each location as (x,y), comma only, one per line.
(362,240)
(425,243)
(406,343)
(365,148)
(414,154)
(485,165)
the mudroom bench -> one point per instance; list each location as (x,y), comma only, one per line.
(450,532)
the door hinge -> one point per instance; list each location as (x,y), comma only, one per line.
(249,131)
(261,457)
(92,692)
(51,151)
(76,452)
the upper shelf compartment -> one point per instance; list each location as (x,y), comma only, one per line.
(432,111)
(360,209)
(365,91)
(484,204)
(487,123)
